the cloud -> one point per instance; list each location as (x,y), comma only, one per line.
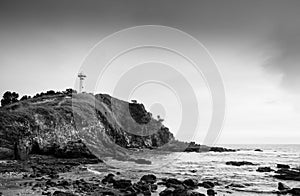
(285,55)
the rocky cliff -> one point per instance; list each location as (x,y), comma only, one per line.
(77,125)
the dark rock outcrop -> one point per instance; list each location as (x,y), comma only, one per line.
(283,187)
(288,174)
(239,163)
(283,166)
(193,147)
(264,169)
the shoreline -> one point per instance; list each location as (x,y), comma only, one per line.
(46,175)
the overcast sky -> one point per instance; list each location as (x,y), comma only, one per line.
(256,44)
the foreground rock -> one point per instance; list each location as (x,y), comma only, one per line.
(283,187)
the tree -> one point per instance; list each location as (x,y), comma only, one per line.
(70,91)
(9,98)
(50,92)
(25,97)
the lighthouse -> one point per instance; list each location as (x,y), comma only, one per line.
(81,77)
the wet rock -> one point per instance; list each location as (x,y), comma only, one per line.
(239,163)
(235,185)
(173,181)
(108,179)
(283,166)
(295,191)
(143,161)
(283,187)
(288,174)
(264,169)
(221,149)
(191,182)
(150,178)
(61,193)
(211,192)
(194,193)
(122,184)
(153,187)
(167,192)
(193,171)
(258,150)
(142,186)
(207,184)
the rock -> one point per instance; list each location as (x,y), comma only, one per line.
(221,149)
(258,150)
(193,147)
(295,191)
(283,187)
(191,182)
(173,181)
(150,178)
(264,169)
(193,171)
(288,174)
(207,184)
(167,192)
(108,179)
(194,193)
(153,187)
(239,163)
(122,184)
(283,166)
(211,192)
(143,161)
(142,186)
(60,193)
(235,185)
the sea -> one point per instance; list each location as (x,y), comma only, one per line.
(211,166)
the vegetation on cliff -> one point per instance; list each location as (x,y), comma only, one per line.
(64,124)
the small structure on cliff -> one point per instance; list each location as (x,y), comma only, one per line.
(81,77)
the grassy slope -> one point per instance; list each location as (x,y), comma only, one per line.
(101,121)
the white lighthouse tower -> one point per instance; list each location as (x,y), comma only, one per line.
(81,77)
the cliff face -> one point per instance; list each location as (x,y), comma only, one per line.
(65,125)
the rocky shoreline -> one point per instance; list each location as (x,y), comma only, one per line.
(46,175)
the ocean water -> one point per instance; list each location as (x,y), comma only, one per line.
(211,166)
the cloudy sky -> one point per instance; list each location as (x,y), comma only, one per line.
(256,45)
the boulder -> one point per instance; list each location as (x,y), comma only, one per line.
(264,169)
(258,150)
(150,178)
(239,163)
(235,185)
(108,179)
(295,191)
(194,193)
(207,184)
(283,187)
(167,192)
(191,182)
(211,192)
(283,166)
(173,181)
(122,184)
